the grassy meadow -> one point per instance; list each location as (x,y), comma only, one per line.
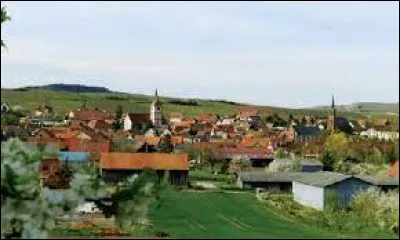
(64,102)
(203,214)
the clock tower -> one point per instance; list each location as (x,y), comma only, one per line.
(156,112)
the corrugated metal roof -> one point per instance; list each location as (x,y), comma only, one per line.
(380,180)
(322,178)
(258,176)
(303,162)
(157,161)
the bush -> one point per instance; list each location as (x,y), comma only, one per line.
(284,166)
(378,208)
(239,164)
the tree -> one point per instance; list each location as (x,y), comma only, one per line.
(335,150)
(303,120)
(122,145)
(240,164)
(118,112)
(4,18)
(30,210)
(9,118)
(165,144)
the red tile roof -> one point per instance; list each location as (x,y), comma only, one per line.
(155,141)
(209,118)
(91,114)
(143,118)
(99,124)
(133,161)
(394,169)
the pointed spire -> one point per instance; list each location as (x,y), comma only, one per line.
(333,101)
(156,95)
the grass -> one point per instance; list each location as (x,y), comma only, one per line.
(226,215)
(64,102)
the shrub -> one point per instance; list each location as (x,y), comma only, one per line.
(377,208)
(240,164)
(284,166)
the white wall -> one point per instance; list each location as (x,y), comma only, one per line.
(127,123)
(307,195)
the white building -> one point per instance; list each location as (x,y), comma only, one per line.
(318,189)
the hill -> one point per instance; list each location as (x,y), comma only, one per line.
(368,107)
(64,98)
(67,88)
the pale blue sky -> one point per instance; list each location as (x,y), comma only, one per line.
(293,54)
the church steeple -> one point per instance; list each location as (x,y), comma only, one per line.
(332,116)
(156,111)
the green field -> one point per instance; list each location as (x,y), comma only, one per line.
(227,215)
(64,102)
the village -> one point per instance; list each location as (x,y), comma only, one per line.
(244,152)
(123,144)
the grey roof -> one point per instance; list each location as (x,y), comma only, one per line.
(307,131)
(380,180)
(260,176)
(303,162)
(322,178)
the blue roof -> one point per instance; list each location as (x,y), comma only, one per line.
(73,156)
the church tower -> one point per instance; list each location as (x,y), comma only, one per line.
(156,112)
(332,116)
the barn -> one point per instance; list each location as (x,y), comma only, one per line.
(116,167)
(267,180)
(315,189)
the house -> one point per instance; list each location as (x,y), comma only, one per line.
(48,166)
(394,170)
(100,125)
(175,117)
(281,181)
(305,134)
(382,133)
(43,110)
(207,118)
(385,183)
(116,167)
(87,115)
(5,107)
(136,121)
(318,189)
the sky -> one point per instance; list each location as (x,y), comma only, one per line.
(289,54)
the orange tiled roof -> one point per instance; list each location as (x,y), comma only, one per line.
(156,161)
(91,114)
(394,170)
(209,117)
(152,140)
(176,140)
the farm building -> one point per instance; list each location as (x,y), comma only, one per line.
(116,167)
(314,189)
(385,183)
(268,180)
